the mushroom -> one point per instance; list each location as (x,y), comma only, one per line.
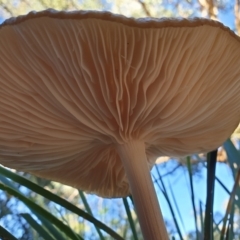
(91,99)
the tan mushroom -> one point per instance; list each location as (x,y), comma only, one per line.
(91,99)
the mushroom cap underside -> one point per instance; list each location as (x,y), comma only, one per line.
(74,85)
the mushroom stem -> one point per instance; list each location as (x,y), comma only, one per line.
(134,160)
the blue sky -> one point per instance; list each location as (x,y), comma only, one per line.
(227,19)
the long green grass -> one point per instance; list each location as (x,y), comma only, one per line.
(46,224)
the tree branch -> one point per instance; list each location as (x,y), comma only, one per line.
(145,9)
(237,15)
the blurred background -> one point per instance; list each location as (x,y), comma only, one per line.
(180,183)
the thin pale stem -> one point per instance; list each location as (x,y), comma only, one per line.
(134,160)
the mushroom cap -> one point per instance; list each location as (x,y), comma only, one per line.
(74,85)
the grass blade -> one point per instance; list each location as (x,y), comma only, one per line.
(222,185)
(131,222)
(33,206)
(5,234)
(176,206)
(230,231)
(164,191)
(217,229)
(189,166)
(54,198)
(230,205)
(201,219)
(88,209)
(50,227)
(233,156)
(211,169)
(38,228)
(8,183)
(234,161)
